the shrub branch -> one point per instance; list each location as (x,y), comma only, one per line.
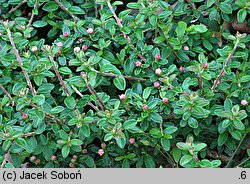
(11,99)
(33,91)
(67,11)
(222,72)
(81,95)
(32,14)
(92,91)
(126,77)
(17,6)
(58,75)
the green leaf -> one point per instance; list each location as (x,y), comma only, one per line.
(182,56)
(146,92)
(192,122)
(176,153)
(21,142)
(124,13)
(228,104)
(155,132)
(85,130)
(76,10)
(236,135)
(165,144)
(226,8)
(76,142)
(134,5)
(200,28)
(238,124)
(38,99)
(159,39)
(153,20)
(185,160)
(65,70)
(121,142)
(57,109)
(170,129)
(65,151)
(206,76)
(149,161)
(120,82)
(226,123)
(200,146)
(154,116)
(39,23)
(109,136)
(205,163)
(90,162)
(45,88)
(73,121)
(182,146)
(241,15)
(6,144)
(50,6)
(129,124)
(222,138)
(139,34)
(70,102)
(245,78)
(216,163)
(129,66)
(210,3)
(207,45)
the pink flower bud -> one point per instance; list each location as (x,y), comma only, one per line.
(185,48)
(205,65)
(181,68)
(138,63)
(25,116)
(33,159)
(59,44)
(34,49)
(157,56)
(165,100)
(90,30)
(103,145)
(158,71)
(244,102)
(122,97)
(38,161)
(157,84)
(144,106)
(132,140)
(100,152)
(65,34)
(53,157)
(77,49)
(84,151)
(84,47)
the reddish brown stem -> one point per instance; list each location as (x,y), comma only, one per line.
(11,99)
(66,10)
(59,76)
(32,14)
(33,91)
(81,95)
(17,6)
(99,100)
(222,72)
(126,77)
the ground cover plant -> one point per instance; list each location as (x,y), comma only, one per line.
(120,84)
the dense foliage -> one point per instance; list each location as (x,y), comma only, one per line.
(148,83)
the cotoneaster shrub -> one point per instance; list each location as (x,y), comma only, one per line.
(142,84)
